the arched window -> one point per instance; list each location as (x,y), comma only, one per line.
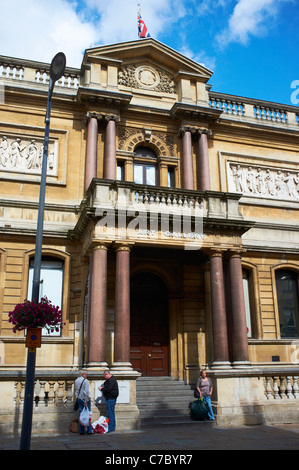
(145,166)
(51,283)
(287,299)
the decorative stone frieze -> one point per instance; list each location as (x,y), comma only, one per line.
(263,181)
(146,77)
(24,155)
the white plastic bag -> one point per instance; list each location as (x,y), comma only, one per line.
(85,417)
(101,425)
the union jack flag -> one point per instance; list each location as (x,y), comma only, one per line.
(142,29)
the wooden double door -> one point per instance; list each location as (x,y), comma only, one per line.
(149,325)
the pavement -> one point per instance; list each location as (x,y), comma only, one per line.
(173,440)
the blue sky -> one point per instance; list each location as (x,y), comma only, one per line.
(252,46)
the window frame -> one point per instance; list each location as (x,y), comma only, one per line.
(294,271)
(65,257)
(146,161)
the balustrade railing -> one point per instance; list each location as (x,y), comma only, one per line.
(281,387)
(166,198)
(249,108)
(16,70)
(46,393)
(61,392)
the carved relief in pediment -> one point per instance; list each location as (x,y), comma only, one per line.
(146,77)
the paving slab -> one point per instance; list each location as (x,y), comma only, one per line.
(180,439)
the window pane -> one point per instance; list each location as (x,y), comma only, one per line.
(170,177)
(138,174)
(287,297)
(51,285)
(151,175)
(120,172)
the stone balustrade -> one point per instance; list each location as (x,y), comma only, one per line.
(25,70)
(262,111)
(232,107)
(49,392)
(128,195)
(281,387)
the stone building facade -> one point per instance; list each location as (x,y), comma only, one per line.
(170,232)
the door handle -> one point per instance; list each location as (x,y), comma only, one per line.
(149,355)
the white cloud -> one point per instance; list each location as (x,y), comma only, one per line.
(38,29)
(249,18)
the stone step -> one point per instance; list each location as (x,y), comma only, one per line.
(163,400)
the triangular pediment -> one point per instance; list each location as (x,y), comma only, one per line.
(149,52)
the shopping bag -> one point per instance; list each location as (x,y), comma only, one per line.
(74,426)
(199,410)
(101,425)
(85,417)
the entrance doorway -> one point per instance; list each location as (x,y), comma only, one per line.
(149,325)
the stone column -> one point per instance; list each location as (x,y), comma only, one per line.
(110,149)
(219,320)
(188,179)
(239,329)
(122,309)
(204,183)
(91,151)
(98,307)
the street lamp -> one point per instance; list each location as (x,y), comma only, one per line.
(56,71)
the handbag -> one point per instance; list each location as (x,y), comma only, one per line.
(76,406)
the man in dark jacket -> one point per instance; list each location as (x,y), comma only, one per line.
(110,392)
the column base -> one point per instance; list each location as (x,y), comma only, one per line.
(121,366)
(221,365)
(97,366)
(241,364)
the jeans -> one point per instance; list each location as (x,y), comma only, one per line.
(207,401)
(82,428)
(110,403)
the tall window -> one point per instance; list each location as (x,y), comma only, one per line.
(145,166)
(171,180)
(248,313)
(287,298)
(51,283)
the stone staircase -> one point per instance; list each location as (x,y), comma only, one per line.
(162,400)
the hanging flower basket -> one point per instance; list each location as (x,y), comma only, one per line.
(31,314)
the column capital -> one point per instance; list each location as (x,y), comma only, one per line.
(236,253)
(121,246)
(208,132)
(101,246)
(215,251)
(112,117)
(92,114)
(186,128)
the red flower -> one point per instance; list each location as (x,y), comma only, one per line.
(32,314)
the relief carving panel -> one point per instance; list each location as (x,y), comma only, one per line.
(24,155)
(146,77)
(263,181)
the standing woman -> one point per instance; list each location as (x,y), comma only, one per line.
(83,397)
(205,389)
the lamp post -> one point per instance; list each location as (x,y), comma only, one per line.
(56,71)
